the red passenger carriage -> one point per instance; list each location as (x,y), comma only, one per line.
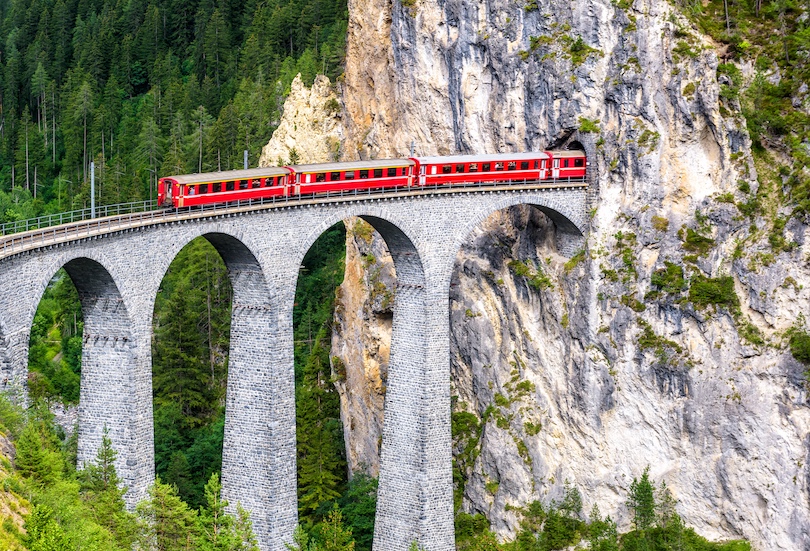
(324,178)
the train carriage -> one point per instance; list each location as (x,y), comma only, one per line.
(221,187)
(460,169)
(334,177)
(570,164)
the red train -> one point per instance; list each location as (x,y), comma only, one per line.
(290,181)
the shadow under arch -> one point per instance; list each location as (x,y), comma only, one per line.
(403,502)
(568,219)
(251,474)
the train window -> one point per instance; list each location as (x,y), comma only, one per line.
(473,167)
(320,177)
(498,166)
(565,163)
(243,184)
(229,186)
(348,175)
(485,167)
(512,165)
(579,162)
(364,173)
(378,173)
(524,165)
(447,169)
(543,163)
(255,183)
(459,168)
(392,171)
(190,190)
(203,188)
(217,187)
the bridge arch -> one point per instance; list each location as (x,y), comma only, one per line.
(109,364)
(569,223)
(251,474)
(402,496)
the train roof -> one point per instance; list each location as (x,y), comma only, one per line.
(227,175)
(352,165)
(568,153)
(484,158)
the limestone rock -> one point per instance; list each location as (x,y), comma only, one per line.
(576,371)
(361,340)
(311,126)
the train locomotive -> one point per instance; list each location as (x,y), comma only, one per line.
(551,167)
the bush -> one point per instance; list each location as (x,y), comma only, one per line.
(669,279)
(588,126)
(697,243)
(719,291)
(800,346)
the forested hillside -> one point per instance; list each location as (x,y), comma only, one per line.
(146,88)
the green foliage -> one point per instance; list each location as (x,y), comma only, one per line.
(633,303)
(535,277)
(54,357)
(219,531)
(189,368)
(659,223)
(574,261)
(587,126)
(43,532)
(697,243)
(580,52)
(466,431)
(332,535)
(169,522)
(664,349)
(359,506)
(705,291)
(102,492)
(669,279)
(800,346)
(38,454)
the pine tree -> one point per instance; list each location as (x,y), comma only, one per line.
(101,490)
(333,535)
(170,524)
(641,501)
(37,457)
(219,531)
(43,533)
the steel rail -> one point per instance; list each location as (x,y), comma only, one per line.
(74,231)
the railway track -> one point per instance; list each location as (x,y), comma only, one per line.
(17,243)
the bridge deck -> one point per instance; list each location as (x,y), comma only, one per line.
(65,233)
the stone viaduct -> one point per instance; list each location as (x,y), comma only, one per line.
(117,269)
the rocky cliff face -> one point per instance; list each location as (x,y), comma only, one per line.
(663,342)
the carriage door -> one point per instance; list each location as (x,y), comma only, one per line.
(297,184)
(555,169)
(422,175)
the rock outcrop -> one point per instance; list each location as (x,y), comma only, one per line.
(311,128)
(663,342)
(361,340)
